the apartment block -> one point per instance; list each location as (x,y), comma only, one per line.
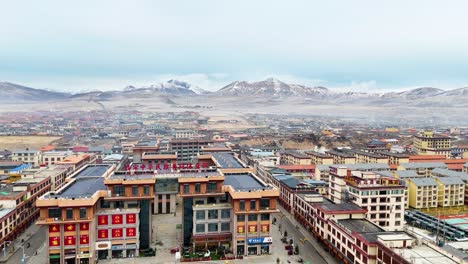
(28,156)
(450,191)
(422,192)
(342,157)
(395,158)
(428,143)
(187,149)
(368,157)
(50,157)
(295,158)
(422,169)
(318,158)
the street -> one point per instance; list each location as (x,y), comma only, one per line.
(36,241)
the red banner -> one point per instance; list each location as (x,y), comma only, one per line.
(117,219)
(70,240)
(84,226)
(131,218)
(84,239)
(70,227)
(131,232)
(54,228)
(54,241)
(102,220)
(117,232)
(103,233)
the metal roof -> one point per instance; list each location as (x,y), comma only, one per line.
(93,171)
(423,181)
(449,173)
(450,180)
(423,165)
(82,188)
(226,160)
(243,182)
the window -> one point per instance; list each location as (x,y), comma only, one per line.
(197,187)
(240,218)
(211,187)
(212,214)
(82,213)
(200,228)
(264,203)
(146,190)
(69,213)
(119,190)
(252,204)
(225,227)
(55,213)
(199,201)
(265,217)
(186,188)
(213,227)
(200,215)
(252,217)
(105,204)
(225,213)
(242,205)
(134,190)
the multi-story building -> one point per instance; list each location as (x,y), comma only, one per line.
(368,157)
(342,157)
(383,197)
(428,143)
(28,156)
(57,174)
(318,158)
(182,133)
(6,166)
(229,210)
(50,157)
(395,158)
(17,205)
(450,191)
(422,192)
(156,159)
(294,158)
(322,172)
(187,149)
(463,176)
(423,169)
(465,167)
(77,161)
(144,146)
(289,186)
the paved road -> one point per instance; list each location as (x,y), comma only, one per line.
(310,250)
(36,241)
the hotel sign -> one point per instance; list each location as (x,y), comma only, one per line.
(259,240)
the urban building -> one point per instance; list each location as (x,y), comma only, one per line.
(422,168)
(294,158)
(318,158)
(28,156)
(369,157)
(50,157)
(428,143)
(422,192)
(450,191)
(187,149)
(342,157)
(395,158)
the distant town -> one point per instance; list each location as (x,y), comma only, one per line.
(89,186)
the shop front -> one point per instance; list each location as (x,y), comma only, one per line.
(258,245)
(83,258)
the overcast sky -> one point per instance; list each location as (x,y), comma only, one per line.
(356,45)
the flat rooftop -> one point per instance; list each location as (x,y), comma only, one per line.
(82,188)
(127,175)
(423,254)
(243,182)
(93,171)
(360,226)
(7,191)
(344,207)
(226,160)
(5,211)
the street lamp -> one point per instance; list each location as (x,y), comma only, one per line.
(23,257)
(5,247)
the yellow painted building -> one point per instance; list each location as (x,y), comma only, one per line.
(450,191)
(427,143)
(422,192)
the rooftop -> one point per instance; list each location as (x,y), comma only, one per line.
(5,211)
(243,182)
(449,173)
(423,165)
(343,207)
(423,181)
(226,160)
(296,154)
(360,226)
(7,191)
(93,171)
(147,143)
(450,180)
(81,188)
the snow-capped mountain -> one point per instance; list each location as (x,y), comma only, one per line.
(270,87)
(11,91)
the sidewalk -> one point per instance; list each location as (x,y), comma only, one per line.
(15,246)
(325,255)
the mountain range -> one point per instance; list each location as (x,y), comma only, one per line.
(269,88)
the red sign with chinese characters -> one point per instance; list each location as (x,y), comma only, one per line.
(54,228)
(70,227)
(103,233)
(70,240)
(117,232)
(102,220)
(54,241)
(131,218)
(117,219)
(84,226)
(84,239)
(131,232)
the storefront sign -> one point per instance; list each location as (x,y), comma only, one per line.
(117,219)
(131,218)
(54,241)
(259,240)
(103,233)
(121,247)
(102,220)
(69,227)
(84,255)
(131,232)
(54,228)
(102,245)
